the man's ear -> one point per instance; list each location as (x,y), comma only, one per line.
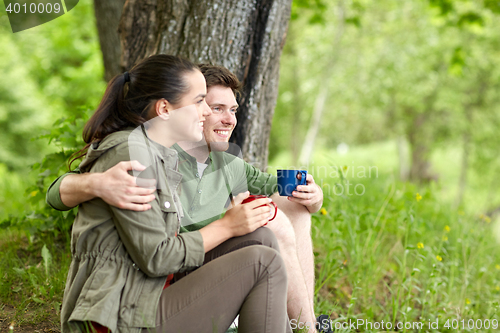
(162,107)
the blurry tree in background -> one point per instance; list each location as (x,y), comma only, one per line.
(427,72)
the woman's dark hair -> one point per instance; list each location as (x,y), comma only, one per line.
(129,96)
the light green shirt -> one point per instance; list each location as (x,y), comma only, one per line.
(204,199)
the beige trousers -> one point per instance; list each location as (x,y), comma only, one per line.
(244,275)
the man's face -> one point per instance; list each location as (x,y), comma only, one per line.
(219,126)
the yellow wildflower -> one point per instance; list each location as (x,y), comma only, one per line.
(497,266)
(32,194)
(420,245)
(445,238)
(418,197)
(467,301)
(498,288)
(439,258)
(487,219)
(323,211)
(447,229)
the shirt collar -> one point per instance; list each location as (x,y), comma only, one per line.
(167,155)
(184,156)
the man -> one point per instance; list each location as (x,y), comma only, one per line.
(210,176)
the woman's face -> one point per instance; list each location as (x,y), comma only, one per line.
(188,116)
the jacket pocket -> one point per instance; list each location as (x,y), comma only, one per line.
(170,214)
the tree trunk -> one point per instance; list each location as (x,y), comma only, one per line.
(420,136)
(477,104)
(420,141)
(246,36)
(107,14)
(319,106)
(462,181)
(404,170)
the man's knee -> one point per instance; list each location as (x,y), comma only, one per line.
(283,229)
(295,212)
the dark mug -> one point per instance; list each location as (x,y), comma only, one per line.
(253,197)
(288,181)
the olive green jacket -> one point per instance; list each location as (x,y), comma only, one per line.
(204,197)
(121,258)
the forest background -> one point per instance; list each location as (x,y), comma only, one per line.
(392,105)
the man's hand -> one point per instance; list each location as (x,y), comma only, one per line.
(115,186)
(118,188)
(309,195)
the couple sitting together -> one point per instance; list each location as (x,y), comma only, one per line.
(172,248)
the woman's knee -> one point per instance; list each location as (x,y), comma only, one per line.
(266,237)
(268,258)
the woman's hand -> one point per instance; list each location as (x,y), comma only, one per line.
(244,218)
(240,220)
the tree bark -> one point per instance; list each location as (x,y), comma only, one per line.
(319,106)
(404,170)
(419,138)
(476,104)
(245,36)
(107,14)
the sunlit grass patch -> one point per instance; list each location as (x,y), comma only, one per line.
(33,274)
(394,256)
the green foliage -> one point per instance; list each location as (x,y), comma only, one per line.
(408,71)
(66,135)
(314,10)
(492,5)
(35,244)
(48,71)
(445,6)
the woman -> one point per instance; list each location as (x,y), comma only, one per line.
(122,273)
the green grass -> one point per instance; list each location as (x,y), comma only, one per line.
(386,256)
(33,272)
(380,256)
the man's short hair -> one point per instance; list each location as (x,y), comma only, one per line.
(220,76)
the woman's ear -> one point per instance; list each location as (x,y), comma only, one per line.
(162,107)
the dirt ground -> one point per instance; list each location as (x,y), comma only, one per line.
(6,321)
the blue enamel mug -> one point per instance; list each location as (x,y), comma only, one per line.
(288,181)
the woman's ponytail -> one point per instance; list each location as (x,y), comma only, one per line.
(129,96)
(112,114)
